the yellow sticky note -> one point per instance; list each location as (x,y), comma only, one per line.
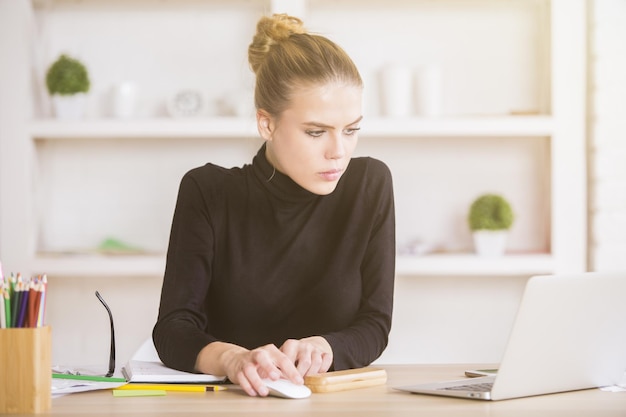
(138,393)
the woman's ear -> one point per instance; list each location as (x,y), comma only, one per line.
(265,124)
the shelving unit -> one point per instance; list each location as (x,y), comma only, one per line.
(375,129)
(515,121)
(566,244)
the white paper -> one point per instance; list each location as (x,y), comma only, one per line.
(62,387)
(156,372)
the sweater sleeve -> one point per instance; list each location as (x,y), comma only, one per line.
(367,336)
(179,333)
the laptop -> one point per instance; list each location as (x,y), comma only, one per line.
(569,334)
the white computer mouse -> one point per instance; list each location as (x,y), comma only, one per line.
(286,389)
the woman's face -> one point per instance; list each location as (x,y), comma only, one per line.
(312,141)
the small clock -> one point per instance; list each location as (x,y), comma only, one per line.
(186,103)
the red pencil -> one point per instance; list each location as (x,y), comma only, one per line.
(31,318)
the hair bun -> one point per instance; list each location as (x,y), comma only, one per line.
(269,31)
(280,26)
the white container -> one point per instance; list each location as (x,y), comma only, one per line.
(396,90)
(124,100)
(429,91)
(69,107)
(490,243)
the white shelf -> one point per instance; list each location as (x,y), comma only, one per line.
(460,126)
(97,266)
(155,128)
(472,265)
(225,127)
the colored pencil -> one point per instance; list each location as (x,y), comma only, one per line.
(36,302)
(7,306)
(3,313)
(30,311)
(15,298)
(3,320)
(87,378)
(42,300)
(23,304)
(172,387)
(22,301)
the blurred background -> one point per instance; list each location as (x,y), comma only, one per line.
(522,98)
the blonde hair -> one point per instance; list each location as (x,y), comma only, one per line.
(284,56)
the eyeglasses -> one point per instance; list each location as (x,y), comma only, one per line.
(112,354)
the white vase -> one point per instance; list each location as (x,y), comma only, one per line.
(490,243)
(69,107)
(124,100)
(428,91)
(396,86)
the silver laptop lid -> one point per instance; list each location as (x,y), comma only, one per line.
(569,334)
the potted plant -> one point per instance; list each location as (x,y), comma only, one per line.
(490,218)
(67,80)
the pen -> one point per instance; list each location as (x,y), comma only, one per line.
(87,377)
(172,387)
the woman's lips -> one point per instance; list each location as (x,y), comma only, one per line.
(332,175)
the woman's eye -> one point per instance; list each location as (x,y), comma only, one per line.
(315,133)
(352,131)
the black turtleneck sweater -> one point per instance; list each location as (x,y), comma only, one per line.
(253,262)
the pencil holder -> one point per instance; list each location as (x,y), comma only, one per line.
(25,370)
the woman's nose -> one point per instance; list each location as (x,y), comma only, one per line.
(336,148)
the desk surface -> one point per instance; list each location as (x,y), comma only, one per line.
(374,401)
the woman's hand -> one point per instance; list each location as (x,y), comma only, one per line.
(311,355)
(246,367)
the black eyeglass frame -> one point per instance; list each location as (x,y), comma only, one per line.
(112,353)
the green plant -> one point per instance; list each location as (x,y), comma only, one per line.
(67,76)
(490,212)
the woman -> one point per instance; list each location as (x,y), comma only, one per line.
(284,267)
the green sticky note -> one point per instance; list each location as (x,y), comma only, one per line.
(138,393)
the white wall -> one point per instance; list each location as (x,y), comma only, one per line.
(80,324)
(16,226)
(607,135)
(437,319)
(452,319)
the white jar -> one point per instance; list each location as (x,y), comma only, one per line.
(124,100)
(396,87)
(429,91)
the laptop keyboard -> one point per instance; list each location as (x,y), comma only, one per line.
(484,387)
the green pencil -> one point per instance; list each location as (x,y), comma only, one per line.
(87,377)
(15,297)
(7,307)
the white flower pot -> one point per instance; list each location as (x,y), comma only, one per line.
(490,243)
(70,107)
